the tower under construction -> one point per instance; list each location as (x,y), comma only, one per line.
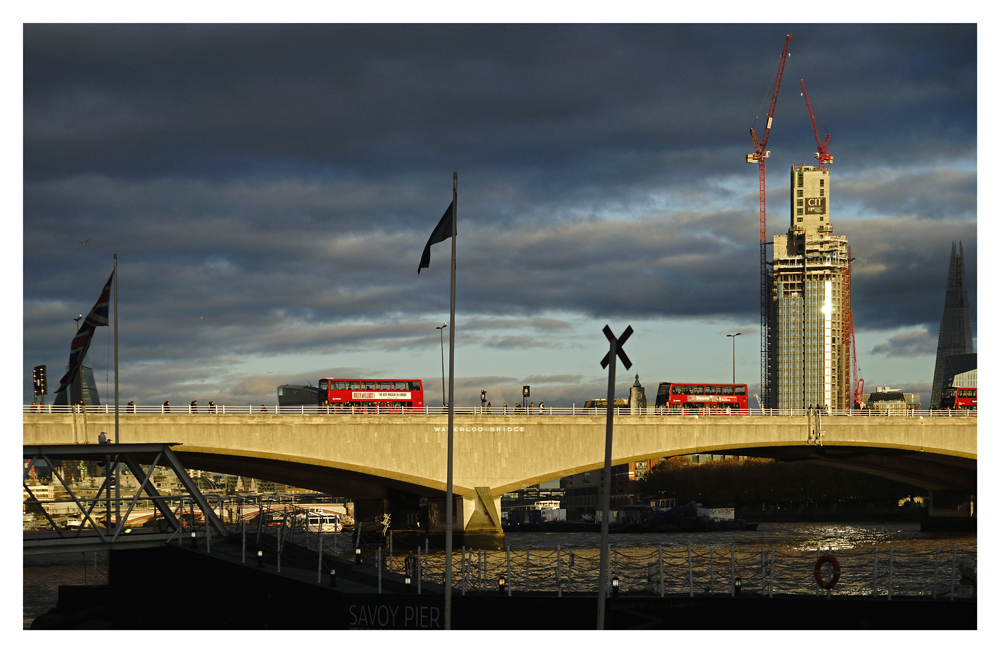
(955,335)
(810,302)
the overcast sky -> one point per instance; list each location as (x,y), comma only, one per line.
(269,189)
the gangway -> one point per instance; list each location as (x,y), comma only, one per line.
(93,534)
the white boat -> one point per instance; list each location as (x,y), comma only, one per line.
(320,522)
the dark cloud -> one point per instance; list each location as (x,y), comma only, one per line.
(124,99)
(907,345)
(939,194)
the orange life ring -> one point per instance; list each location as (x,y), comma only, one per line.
(827,557)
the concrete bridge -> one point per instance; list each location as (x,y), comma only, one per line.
(388,457)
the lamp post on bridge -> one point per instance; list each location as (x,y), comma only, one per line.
(733,336)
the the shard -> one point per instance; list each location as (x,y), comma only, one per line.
(955,336)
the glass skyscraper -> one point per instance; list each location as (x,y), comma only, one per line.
(955,335)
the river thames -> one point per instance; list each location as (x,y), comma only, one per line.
(698,562)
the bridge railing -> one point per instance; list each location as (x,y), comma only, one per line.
(486,412)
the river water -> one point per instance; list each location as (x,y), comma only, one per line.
(907,562)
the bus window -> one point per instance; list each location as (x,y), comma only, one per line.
(322,385)
(741,390)
(385,385)
(399,385)
(354,385)
(697,390)
(949,393)
(340,385)
(727,390)
(414,385)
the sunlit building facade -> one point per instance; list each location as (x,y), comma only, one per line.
(810,302)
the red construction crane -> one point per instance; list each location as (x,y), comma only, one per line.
(855,369)
(759,154)
(859,383)
(821,146)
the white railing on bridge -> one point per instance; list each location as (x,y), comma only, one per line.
(486,412)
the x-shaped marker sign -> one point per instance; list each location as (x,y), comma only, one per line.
(621,341)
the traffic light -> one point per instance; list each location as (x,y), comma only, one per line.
(526,390)
(482,396)
(41,384)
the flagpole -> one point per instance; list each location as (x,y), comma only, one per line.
(449,494)
(118,505)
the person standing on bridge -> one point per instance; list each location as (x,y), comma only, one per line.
(194,406)
(211,406)
(541,407)
(262,409)
(505,408)
(531,408)
(489,407)
(166,406)
(131,406)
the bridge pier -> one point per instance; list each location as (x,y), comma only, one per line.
(476,521)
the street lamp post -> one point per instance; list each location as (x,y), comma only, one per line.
(441,329)
(733,336)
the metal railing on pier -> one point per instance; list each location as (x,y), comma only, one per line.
(691,571)
(484,412)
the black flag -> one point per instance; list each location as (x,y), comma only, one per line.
(441,233)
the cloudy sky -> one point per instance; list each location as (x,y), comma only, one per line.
(268,190)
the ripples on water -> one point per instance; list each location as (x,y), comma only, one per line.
(792,537)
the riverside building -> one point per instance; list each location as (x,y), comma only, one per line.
(810,302)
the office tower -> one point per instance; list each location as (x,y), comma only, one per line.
(810,302)
(955,335)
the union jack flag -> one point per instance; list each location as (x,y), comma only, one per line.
(98,316)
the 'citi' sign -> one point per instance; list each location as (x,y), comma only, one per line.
(815,205)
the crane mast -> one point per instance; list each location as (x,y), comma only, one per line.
(759,154)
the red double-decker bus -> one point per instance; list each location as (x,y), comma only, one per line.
(381,395)
(959,399)
(698,396)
